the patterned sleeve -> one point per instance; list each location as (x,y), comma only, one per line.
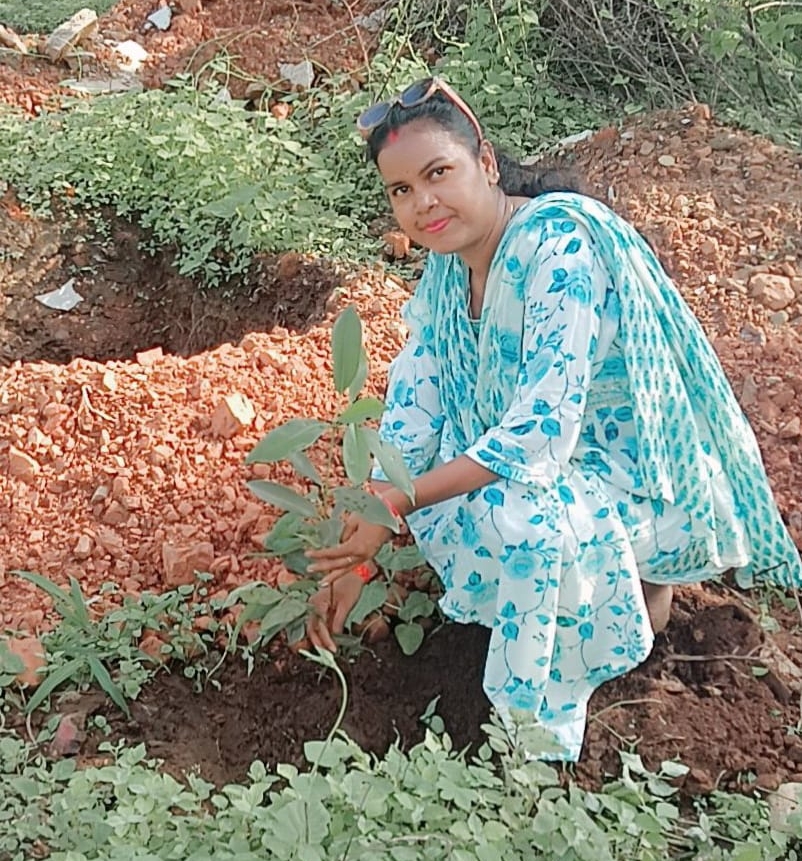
(413,420)
(566,289)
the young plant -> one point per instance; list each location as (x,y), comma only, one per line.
(315,519)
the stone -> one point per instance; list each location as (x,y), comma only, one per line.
(146,358)
(234,413)
(791,429)
(190,7)
(83,548)
(11,40)
(749,391)
(783,803)
(181,561)
(298,74)
(396,244)
(779,318)
(71,33)
(32,654)
(152,645)
(160,19)
(22,465)
(666,161)
(68,737)
(647,147)
(116,514)
(774,291)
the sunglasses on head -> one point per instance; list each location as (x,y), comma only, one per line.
(414,95)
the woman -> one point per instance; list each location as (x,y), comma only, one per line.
(575,446)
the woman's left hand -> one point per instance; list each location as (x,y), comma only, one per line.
(361,540)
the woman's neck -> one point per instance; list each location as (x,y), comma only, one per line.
(479,258)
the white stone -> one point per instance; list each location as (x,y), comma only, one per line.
(782,804)
(82,24)
(299,74)
(63,299)
(11,40)
(133,55)
(161,18)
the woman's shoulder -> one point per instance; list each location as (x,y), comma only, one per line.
(563,204)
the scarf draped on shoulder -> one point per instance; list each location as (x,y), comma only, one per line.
(679,391)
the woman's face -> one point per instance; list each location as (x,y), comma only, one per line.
(442,195)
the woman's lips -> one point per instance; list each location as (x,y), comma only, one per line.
(436,226)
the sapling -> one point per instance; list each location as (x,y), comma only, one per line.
(314,519)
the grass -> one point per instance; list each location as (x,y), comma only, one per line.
(43,16)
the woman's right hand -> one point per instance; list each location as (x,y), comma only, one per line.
(332,604)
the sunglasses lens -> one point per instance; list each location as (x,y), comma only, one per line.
(415,93)
(374,116)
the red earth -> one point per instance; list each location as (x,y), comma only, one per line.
(112,467)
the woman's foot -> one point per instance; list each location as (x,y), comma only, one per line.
(658,603)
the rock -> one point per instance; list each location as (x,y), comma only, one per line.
(749,391)
(116,514)
(774,291)
(786,801)
(181,561)
(298,74)
(69,34)
(667,161)
(160,19)
(234,413)
(132,55)
(146,358)
(190,7)
(791,429)
(68,737)
(152,645)
(109,381)
(32,654)
(779,318)
(22,465)
(396,244)
(647,148)
(11,40)
(83,548)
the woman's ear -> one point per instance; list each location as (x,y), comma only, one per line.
(487,158)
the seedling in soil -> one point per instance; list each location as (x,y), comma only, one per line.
(314,519)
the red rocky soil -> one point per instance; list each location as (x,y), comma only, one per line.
(118,461)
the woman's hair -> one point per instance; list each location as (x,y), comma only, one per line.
(515,178)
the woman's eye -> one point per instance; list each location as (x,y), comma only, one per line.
(439,171)
(399,190)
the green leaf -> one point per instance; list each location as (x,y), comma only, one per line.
(346,348)
(304,467)
(416,605)
(371,598)
(61,599)
(391,462)
(409,636)
(361,375)
(53,679)
(365,409)
(79,605)
(102,677)
(356,455)
(282,497)
(364,503)
(293,436)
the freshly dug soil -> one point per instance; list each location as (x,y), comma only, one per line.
(696,699)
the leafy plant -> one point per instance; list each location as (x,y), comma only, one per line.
(314,519)
(42,16)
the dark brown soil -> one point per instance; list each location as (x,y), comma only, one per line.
(696,699)
(133,301)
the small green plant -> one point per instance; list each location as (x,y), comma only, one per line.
(315,519)
(42,16)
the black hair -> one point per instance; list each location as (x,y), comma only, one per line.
(515,179)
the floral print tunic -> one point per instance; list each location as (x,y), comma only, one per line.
(589,389)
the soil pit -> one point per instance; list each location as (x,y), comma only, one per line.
(696,700)
(132,301)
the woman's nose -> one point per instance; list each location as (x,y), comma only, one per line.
(425,201)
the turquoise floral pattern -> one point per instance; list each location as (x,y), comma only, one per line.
(589,389)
